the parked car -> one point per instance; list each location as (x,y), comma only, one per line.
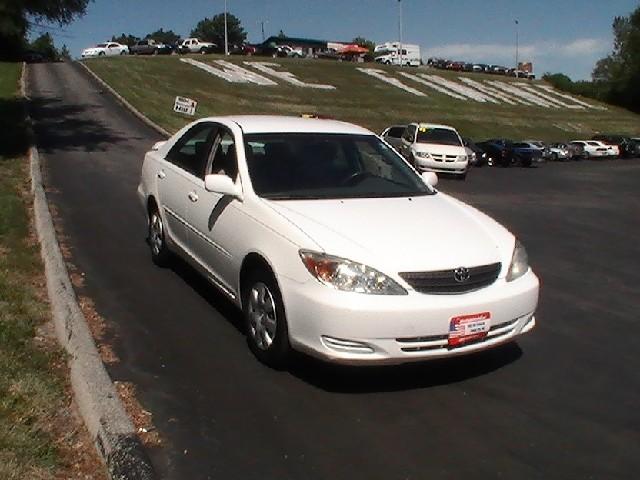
(289,51)
(276,213)
(525,154)
(591,149)
(498,151)
(393,135)
(107,49)
(435,148)
(194,45)
(624,144)
(540,145)
(477,156)
(613,151)
(560,152)
(150,47)
(635,147)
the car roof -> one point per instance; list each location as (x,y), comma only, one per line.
(433,125)
(284,124)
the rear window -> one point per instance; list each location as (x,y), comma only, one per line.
(101,45)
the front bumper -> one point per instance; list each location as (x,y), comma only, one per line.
(352,328)
(458,168)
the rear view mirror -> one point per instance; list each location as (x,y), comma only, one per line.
(430,178)
(222,184)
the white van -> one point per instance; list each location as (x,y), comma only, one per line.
(391,54)
(435,148)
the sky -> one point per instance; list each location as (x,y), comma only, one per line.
(566,36)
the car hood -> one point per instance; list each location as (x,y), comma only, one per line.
(433,232)
(439,149)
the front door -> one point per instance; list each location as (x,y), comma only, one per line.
(211,215)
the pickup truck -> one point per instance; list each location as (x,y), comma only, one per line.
(149,47)
(193,45)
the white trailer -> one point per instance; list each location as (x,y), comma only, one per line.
(391,54)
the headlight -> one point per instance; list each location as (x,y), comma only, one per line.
(422,154)
(519,263)
(461,158)
(348,276)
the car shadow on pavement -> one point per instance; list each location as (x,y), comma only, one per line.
(371,379)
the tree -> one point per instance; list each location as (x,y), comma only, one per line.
(363,42)
(168,38)
(128,40)
(64,53)
(620,70)
(16,17)
(212,30)
(44,46)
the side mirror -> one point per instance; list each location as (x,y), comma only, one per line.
(222,184)
(157,146)
(430,178)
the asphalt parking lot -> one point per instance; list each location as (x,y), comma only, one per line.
(561,403)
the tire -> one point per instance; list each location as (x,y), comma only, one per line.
(101,54)
(160,253)
(554,157)
(203,51)
(462,177)
(123,53)
(265,320)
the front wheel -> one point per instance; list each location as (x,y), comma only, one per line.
(266,324)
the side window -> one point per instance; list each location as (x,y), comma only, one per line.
(409,134)
(191,152)
(224,160)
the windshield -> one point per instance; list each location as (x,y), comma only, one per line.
(439,136)
(291,166)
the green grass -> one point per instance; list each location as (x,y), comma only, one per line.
(151,84)
(31,390)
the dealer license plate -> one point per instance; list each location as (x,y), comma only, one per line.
(468,328)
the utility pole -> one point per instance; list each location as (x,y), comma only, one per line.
(262,22)
(517,45)
(400,28)
(226,35)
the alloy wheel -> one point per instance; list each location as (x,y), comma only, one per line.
(262,316)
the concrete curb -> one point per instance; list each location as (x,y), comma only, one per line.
(125,103)
(94,392)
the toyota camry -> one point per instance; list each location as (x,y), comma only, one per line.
(330,243)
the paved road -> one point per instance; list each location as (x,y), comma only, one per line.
(562,403)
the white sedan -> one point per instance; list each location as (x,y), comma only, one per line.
(332,244)
(591,148)
(105,49)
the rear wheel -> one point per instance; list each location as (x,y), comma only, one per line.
(160,253)
(203,51)
(266,324)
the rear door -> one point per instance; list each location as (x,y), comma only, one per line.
(183,165)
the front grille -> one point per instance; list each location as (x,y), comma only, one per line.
(443,158)
(444,282)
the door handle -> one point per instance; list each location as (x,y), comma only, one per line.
(161,174)
(193,197)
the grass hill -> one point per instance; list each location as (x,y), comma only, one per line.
(152,83)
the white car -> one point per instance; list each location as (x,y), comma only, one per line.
(194,45)
(613,151)
(331,244)
(435,148)
(106,49)
(591,148)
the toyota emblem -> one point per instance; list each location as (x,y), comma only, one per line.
(461,274)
